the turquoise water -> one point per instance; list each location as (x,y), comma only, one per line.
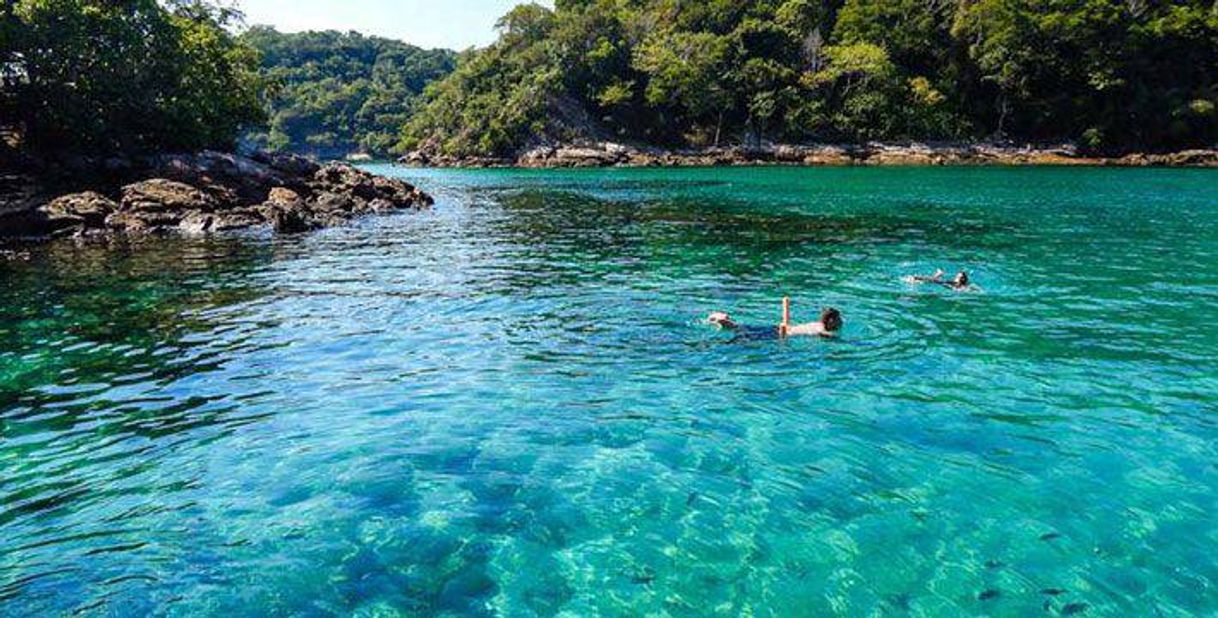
(508,406)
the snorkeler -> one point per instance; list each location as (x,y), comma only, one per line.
(959,282)
(830,322)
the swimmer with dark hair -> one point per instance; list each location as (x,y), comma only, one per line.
(829,324)
(959,282)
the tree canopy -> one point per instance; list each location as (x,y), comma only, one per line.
(333,93)
(94,76)
(1110,74)
(102,77)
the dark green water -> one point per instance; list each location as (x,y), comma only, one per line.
(507,406)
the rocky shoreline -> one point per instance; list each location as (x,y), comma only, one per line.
(610,154)
(195,194)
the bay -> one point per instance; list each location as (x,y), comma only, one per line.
(510,405)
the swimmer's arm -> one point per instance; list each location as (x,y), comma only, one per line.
(784,327)
(815,329)
(935,278)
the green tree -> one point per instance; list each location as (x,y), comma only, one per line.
(336,93)
(686,77)
(855,95)
(1116,73)
(1113,74)
(497,99)
(130,76)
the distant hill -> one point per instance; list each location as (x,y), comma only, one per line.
(333,93)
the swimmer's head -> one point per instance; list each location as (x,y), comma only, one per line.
(831,319)
(961,280)
(720,319)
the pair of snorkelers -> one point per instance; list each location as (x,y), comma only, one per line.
(829,324)
(830,319)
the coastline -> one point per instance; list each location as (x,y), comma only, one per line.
(612,154)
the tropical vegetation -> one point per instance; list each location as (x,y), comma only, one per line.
(1108,74)
(104,77)
(333,93)
(94,76)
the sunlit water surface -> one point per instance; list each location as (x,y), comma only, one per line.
(508,405)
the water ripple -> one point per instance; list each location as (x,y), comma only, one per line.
(509,405)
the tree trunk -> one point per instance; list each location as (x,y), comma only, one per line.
(1004,107)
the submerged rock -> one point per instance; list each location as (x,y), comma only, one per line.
(989,595)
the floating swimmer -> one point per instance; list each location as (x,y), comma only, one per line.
(959,282)
(828,326)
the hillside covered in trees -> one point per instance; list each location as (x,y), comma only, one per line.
(1108,74)
(334,93)
(101,78)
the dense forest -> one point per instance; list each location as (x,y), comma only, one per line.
(104,77)
(1108,74)
(335,93)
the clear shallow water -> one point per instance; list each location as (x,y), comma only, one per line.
(507,406)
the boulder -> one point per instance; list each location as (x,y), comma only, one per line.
(333,203)
(401,194)
(340,178)
(287,221)
(162,195)
(421,200)
(284,196)
(294,165)
(78,211)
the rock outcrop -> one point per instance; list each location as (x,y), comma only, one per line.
(214,192)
